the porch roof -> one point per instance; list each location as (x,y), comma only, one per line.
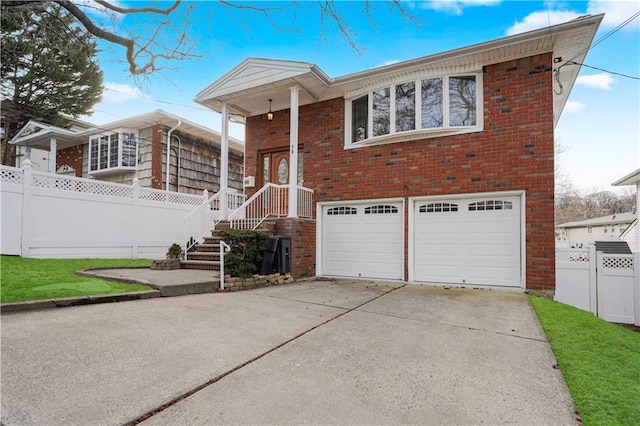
(247,87)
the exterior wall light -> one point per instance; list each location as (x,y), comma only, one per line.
(270,113)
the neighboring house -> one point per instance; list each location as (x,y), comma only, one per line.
(433,170)
(134,147)
(582,233)
(632,234)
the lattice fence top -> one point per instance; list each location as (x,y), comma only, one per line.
(11,175)
(617,262)
(170,197)
(572,255)
(87,186)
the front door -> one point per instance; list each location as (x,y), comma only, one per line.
(275,168)
(279,167)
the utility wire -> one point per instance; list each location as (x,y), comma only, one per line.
(556,71)
(601,69)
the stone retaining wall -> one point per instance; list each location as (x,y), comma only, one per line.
(257,281)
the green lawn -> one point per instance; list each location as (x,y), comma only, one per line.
(600,362)
(31,279)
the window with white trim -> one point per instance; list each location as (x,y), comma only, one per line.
(449,104)
(381,209)
(490,205)
(438,208)
(114,151)
(341,211)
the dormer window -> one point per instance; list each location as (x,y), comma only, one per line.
(424,107)
(113,152)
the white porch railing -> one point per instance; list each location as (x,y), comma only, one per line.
(202,220)
(270,201)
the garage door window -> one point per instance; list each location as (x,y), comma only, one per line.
(341,211)
(381,209)
(438,207)
(490,205)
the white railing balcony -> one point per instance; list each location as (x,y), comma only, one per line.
(270,201)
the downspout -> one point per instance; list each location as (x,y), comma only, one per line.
(169,153)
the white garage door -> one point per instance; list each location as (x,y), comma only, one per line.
(468,241)
(363,240)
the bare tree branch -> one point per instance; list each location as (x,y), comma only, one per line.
(128,10)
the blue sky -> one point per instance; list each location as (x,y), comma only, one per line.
(599,128)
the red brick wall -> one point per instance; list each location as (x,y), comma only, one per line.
(303,245)
(514,152)
(71,157)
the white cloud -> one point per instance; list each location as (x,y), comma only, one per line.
(119,93)
(456,6)
(390,62)
(601,81)
(542,19)
(573,106)
(615,12)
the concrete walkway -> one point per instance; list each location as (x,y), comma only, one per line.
(330,352)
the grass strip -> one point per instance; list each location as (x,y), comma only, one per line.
(23,279)
(600,362)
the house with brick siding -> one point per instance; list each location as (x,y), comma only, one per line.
(134,147)
(436,170)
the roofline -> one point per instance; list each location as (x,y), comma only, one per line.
(158,115)
(474,48)
(605,220)
(632,178)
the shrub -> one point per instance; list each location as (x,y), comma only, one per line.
(175,252)
(245,257)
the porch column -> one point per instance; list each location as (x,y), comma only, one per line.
(53,149)
(293,152)
(224,160)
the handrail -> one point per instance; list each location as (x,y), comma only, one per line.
(224,248)
(270,201)
(204,218)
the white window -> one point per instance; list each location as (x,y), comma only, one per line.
(115,151)
(424,107)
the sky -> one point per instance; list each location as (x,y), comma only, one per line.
(599,130)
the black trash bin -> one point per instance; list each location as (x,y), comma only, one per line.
(277,256)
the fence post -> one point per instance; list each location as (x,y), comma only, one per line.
(134,225)
(636,288)
(599,270)
(26,209)
(593,281)
(206,212)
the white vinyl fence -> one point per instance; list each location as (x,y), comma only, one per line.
(48,215)
(608,285)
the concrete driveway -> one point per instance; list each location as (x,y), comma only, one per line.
(330,352)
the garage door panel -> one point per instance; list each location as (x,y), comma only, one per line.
(479,243)
(343,267)
(374,233)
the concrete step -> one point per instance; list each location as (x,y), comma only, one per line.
(200,264)
(206,248)
(211,256)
